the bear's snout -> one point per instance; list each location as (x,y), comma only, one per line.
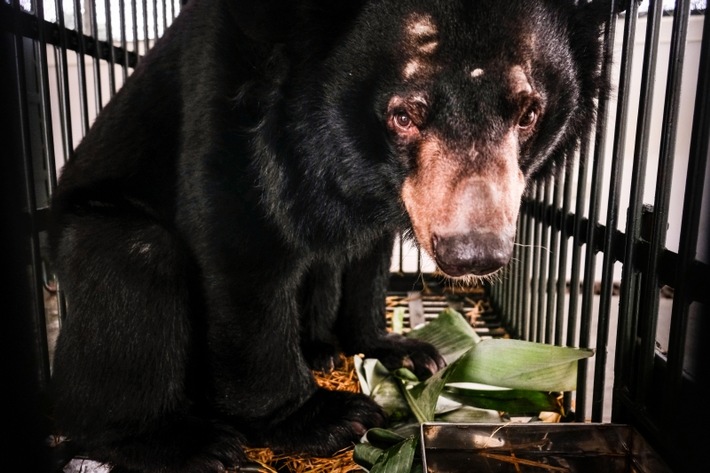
(477,253)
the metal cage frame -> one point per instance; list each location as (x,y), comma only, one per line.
(585,272)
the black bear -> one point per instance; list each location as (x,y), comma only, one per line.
(227,223)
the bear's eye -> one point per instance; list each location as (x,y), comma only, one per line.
(405,116)
(402,120)
(528,118)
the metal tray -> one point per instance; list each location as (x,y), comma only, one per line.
(537,447)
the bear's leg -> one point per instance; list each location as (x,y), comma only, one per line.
(361,324)
(261,376)
(320,300)
(122,378)
(325,424)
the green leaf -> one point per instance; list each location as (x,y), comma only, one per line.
(398,320)
(467,414)
(406,375)
(366,455)
(370,373)
(512,401)
(530,369)
(520,364)
(417,407)
(407,430)
(397,459)
(389,396)
(383,438)
(423,397)
(449,332)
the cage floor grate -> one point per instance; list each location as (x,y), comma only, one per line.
(419,307)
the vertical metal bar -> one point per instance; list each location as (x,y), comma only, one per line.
(49,161)
(63,81)
(502,297)
(43,161)
(512,294)
(535,262)
(98,95)
(45,103)
(112,50)
(146,36)
(555,229)
(523,281)
(650,292)
(530,269)
(628,316)
(566,175)
(81,69)
(690,226)
(519,296)
(165,16)
(23,375)
(124,41)
(526,276)
(65,117)
(549,254)
(578,242)
(39,347)
(520,277)
(134,19)
(156,33)
(593,212)
(612,212)
(543,251)
(514,299)
(576,261)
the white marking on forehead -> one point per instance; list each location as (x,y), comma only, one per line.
(421,26)
(477,72)
(411,68)
(429,47)
(519,80)
(420,42)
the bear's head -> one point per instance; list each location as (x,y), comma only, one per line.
(455,106)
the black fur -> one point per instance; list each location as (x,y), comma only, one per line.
(227,223)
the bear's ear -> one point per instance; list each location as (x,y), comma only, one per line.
(586,39)
(623,5)
(283,21)
(593,12)
(264,20)
(598,11)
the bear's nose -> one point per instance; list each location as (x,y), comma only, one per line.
(477,253)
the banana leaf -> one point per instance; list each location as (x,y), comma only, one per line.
(519,364)
(514,376)
(422,397)
(449,332)
(468,414)
(366,454)
(383,438)
(397,459)
(515,402)
(505,363)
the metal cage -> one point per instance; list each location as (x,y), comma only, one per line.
(612,253)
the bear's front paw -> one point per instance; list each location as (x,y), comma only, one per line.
(321,356)
(395,351)
(329,421)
